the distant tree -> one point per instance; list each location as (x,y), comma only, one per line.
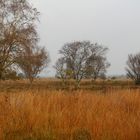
(75,55)
(21,76)
(32,62)
(113,77)
(133,67)
(17,30)
(97,63)
(60,68)
(81,60)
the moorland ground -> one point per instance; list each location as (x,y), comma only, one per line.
(46,110)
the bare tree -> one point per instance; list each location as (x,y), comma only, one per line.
(97,63)
(81,59)
(75,55)
(133,67)
(61,69)
(17,30)
(32,62)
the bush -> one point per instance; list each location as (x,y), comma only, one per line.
(137,82)
(81,134)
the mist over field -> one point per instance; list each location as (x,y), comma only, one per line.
(113,23)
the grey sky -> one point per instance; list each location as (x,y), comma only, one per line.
(113,23)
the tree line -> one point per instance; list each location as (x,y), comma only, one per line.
(20,51)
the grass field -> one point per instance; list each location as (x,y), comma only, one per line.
(45,111)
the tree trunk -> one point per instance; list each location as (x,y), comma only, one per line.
(93,82)
(64,83)
(31,79)
(77,84)
(1,73)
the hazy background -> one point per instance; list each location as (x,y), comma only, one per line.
(112,23)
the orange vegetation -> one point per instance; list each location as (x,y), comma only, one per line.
(77,115)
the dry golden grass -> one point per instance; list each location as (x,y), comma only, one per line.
(70,115)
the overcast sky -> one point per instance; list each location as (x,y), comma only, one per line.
(112,23)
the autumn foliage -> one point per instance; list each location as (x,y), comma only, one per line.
(70,115)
